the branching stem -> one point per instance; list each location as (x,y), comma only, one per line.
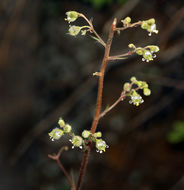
(121,98)
(98,114)
(99,100)
(56,157)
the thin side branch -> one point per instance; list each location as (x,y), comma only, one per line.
(129,26)
(92,29)
(121,98)
(121,56)
(56,157)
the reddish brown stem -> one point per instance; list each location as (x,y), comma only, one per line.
(101,77)
(99,100)
(115,57)
(129,26)
(83,166)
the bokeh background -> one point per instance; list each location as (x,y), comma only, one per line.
(45,74)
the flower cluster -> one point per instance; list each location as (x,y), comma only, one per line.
(150,26)
(56,133)
(136,98)
(78,141)
(126,22)
(75,30)
(96,138)
(147,52)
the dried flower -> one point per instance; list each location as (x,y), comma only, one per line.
(74,30)
(71,16)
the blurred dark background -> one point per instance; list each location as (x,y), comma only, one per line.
(45,74)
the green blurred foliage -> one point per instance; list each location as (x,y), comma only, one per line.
(176,135)
(101,3)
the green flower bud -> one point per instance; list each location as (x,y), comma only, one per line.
(131,46)
(86,134)
(76,141)
(139,51)
(127,19)
(127,86)
(55,134)
(139,84)
(61,122)
(144,84)
(151,21)
(101,145)
(153,48)
(97,134)
(71,16)
(67,128)
(144,25)
(146,91)
(74,30)
(133,79)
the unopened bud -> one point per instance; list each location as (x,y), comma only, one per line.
(61,122)
(86,133)
(127,86)
(146,91)
(127,19)
(67,128)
